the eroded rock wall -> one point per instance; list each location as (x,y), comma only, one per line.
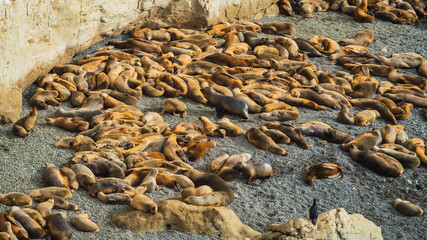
(37,35)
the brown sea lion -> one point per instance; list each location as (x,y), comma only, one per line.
(84,175)
(228,171)
(58,227)
(77,98)
(407,160)
(49,191)
(287,98)
(84,224)
(364,141)
(149,182)
(52,176)
(277,136)
(140,44)
(407,208)
(422,70)
(280,115)
(344,116)
(372,104)
(363,38)
(255,170)
(402,60)
(105,168)
(30,225)
(110,185)
(59,203)
(230,128)
(211,129)
(360,13)
(215,165)
(291,131)
(71,177)
(194,90)
(72,124)
(322,99)
(143,203)
(324,131)
(324,170)
(114,198)
(253,107)
(278,106)
(172,150)
(225,103)
(34,214)
(418,146)
(366,117)
(24,126)
(380,163)
(403,78)
(192,191)
(16,199)
(264,142)
(12,227)
(408,98)
(45,208)
(388,134)
(175,107)
(278,28)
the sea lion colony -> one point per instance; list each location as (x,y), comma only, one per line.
(123,153)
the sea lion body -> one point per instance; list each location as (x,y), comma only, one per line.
(33,228)
(280,115)
(175,107)
(58,227)
(380,163)
(366,117)
(84,175)
(255,170)
(24,126)
(114,198)
(230,128)
(324,170)
(144,203)
(16,199)
(110,185)
(262,141)
(324,131)
(407,208)
(372,104)
(344,116)
(291,131)
(84,224)
(225,103)
(49,191)
(364,141)
(59,203)
(69,123)
(407,160)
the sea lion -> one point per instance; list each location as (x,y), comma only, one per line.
(422,70)
(278,106)
(192,191)
(195,150)
(253,107)
(71,177)
(364,141)
(69,123)
(361,13)
(175,107)
(280,115)
(364,89)
(110,185)
(324,170)
(114,198)
(149,182)
(407,160)
(30,225)
(143,203)
(407,208)
(344,116)
(61,69)
(291,131)
(59,203)
(228,171)
(403,78)
(172,150)
(211,129)
(12,227)
(215,165)
(255,170)
(49,191)
(278,28)
(408,98)
(363,38)
(105,168)
(77,98)
(388,134)
(34,214)
(380,163)
(402,60)
(372,104)
(306,46)
(418,146)
(277,136)
(264,142)
(140,44)
(58,227)
(366,117)
(84,175)
(194,90)
(230,128)
(225,103)
(287,98)
(52,176)
(16,199)
(292,49)
(324,131)
(200,67)
(84,224)
(24,126)
(45,208)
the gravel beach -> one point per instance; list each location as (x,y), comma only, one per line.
(283,197)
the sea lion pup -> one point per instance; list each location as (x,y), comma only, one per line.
(230,128)
(24,126)
(326,45)
(287,98)
(402,60)
(291,131)
(255,170)
(16,199)
(323,131)
(408,98)
(200,67)
(149,182)
(142,202)
(418,146)
(52,176)
(380,163)
(264,142)
(105,168)
(364,141)
(194,90)
(50,191)
(363,38)
(361,13)
(280,115)
(85,176)
(324,170)
(72,124)
(175,107)
(227,171)
(344,116)
(59,203)
(407,208)
(45,208)
(114,198)
(278,28)
(30,225)
(418,81)
(372,104)
(277,136)
(211,129)
(215,165)
(84,224)
(58,227)
(253,107)
(364,89)
(366,117)
(407,160)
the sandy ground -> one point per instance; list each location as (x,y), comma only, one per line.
(283,197)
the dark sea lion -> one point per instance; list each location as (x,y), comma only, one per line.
(277,136)
(33,228)
(324,131)
(305,46)
(375,105)
(58,227)
(105,168)
(407,160)
(291,131)
(225,103)
(324,170)
(52,176)
(110,185)
(85,176)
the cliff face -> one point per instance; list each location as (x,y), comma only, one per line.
(37,35)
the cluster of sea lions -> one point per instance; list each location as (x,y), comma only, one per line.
(123,153)
(364,11)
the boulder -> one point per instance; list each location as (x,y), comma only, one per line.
(10,104)
(214,221)
(332,225)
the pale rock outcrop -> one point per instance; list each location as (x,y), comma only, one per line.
(214,221)
(37,35)
(332,225)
